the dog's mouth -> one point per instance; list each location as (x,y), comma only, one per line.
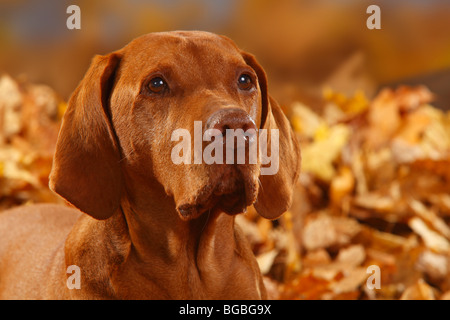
(233,203)
(233,192)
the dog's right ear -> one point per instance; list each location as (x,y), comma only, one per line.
(276,190)
(86,170)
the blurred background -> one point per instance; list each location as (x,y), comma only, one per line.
(303,44)
(370,109)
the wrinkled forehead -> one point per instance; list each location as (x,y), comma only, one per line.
(185,50)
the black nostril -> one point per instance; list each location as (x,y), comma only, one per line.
(224,130)
(249,126)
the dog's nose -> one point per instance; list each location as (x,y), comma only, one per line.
(231,118)
(238,132)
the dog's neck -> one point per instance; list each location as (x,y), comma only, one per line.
(160,232)
(157,230)
(193,256)
(144,239)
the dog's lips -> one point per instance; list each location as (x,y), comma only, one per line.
(232,198)
(232,203)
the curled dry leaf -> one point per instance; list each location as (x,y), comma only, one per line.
(431,238)
(319,156)
(323,231)
(419,291)
(430,217)
(434,265)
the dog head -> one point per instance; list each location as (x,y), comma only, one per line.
(159,112)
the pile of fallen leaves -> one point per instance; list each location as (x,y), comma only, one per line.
(30,117)
(371,212)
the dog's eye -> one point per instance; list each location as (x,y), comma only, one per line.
(157,85)
(245,82)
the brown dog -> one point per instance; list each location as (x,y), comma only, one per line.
(152,229)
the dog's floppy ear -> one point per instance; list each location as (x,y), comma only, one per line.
(86,170)
(276,190)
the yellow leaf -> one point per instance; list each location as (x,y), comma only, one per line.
(304,120)
(62,107)
(318,157)
(350,105)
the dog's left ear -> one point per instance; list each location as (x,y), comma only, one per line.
(277,187)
